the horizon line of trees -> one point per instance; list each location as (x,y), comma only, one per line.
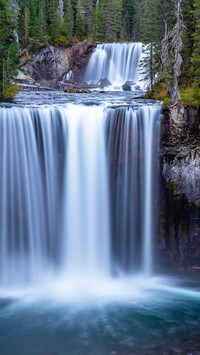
(169,28)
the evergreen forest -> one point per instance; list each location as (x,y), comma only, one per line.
(169,29)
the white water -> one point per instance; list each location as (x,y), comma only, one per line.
(68,77)
(87,227)
(118,62)
(56,183)
(135,146)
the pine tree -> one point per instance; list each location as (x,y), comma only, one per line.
(176,44)
(58,28)
(15,10)
(151,37)
(118,14)
(80,24)
(87,11)
(137,20)
(128,17)
(8,48)
(51,7)
(42,27)
(26,24)
(110,15)
(69,16)
(98,25)
(196,37)
(33,10)
(186,77)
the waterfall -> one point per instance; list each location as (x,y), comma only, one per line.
(133,150)
(68,76)
(118,62)
(77,191)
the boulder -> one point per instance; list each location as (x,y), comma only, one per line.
(24,78)
(138,88)
(126,87)
(130,82)
(103,82)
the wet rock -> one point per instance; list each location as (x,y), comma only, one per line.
(126,87)
(130,82)
(49,64)
(138,88)
(104,82)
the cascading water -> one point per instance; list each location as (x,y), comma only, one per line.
(71,201)
(79,213)
(78,183)
(133,147)
(68,76)
(118,62)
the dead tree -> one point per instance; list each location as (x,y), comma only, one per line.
(177,45)
(170,57)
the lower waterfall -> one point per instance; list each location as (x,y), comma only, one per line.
(78,191)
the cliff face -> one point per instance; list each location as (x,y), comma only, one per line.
(179,238)
(180,152)
(50,63)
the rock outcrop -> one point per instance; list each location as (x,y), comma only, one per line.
(181,152)
(179,237)
(50,63)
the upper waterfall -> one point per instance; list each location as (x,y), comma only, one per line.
(118,62)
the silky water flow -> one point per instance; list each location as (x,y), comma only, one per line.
(79,215)
(71,202)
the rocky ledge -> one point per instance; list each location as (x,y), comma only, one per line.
(50,63)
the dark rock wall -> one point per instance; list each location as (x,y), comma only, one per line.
(50,63)
(179,237)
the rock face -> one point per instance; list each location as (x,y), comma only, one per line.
(50,63)
(179,237)
(181,152)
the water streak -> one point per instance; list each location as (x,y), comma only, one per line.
(134,154)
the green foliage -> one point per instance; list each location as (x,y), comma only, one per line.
(69,16)
(40,22)
(98,25)
(196,49)
(190,96)
(80,25)
(159,93)
(186,76)
(150,28)
(9,57)
(58,28)
(10,91)
(62,41)
(128,11)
